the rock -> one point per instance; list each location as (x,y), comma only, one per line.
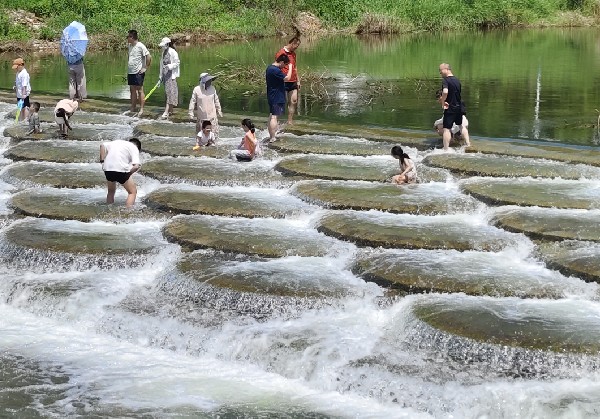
(268,238)
(308,24)
(558,326)
(474,273)
(69,175)
(226,201)
(532,192)
(59,151)
(573,257)
(550,223)
(413,232)
(425,199)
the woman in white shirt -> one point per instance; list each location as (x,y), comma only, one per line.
(169,71)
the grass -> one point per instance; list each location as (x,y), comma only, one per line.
(255,18)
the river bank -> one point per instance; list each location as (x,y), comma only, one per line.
(35,26)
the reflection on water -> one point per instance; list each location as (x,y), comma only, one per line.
(535,84)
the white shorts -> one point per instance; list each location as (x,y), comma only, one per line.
(455,128)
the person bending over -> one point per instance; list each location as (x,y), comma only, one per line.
(120,159)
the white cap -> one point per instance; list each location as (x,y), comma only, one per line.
(164,42)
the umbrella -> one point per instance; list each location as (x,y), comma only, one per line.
(73,42)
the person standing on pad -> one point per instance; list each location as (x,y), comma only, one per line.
(138,62)
(292,86)
(276,90)
(452,105)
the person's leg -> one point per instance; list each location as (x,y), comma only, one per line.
(142,99)
(81,82)
(446,137)
(272,126)
(131,192)
(292,104)
(133,94)
(110,195)
(72,82)
(465,134)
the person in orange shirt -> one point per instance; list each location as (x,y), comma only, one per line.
(292,86)
(248,148)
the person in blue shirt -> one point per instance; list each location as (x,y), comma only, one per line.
(276,90)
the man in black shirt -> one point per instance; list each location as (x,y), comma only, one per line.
(452,104)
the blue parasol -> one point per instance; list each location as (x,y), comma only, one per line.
(73,42)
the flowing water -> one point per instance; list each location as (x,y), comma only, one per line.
(240,290)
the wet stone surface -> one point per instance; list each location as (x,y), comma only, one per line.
(75,204)
(504,166)
(541,151)
(79,133)
(263,237)
(276,277)
(413,232)
(83,238)
(167,129)
(474,273)
(47,115)
(573,257)
(181,146)
(338,168)
(59,151)
(330,145)
(226,201)
(425,199)
(68,175)
(550,223)
(561,325)
(210,171)
(532,192)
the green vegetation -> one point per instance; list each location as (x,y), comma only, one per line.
(256,18)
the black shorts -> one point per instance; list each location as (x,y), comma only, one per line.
(117,176)
(136,79)
(291,86)
(452,118)
(277,109)
(26,103)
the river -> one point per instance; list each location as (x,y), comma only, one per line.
(263,290)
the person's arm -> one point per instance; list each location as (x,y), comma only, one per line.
(66,119)
(409,166)
(444,95)
(148,59)
(135,159)
(103,152)
(288,76)
(192,106)
(174,59)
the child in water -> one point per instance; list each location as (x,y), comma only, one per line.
(34,119)
(63,111)
(248,148)
(205,136)
(408,169)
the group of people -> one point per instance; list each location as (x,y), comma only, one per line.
(120,158)
(454,123)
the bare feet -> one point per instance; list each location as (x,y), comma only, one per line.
(140,113)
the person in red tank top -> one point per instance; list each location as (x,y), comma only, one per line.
(293,85)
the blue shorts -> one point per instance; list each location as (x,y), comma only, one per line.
(277,109)
(136,79)
(120,177)
(291,86)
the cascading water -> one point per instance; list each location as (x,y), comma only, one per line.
(146,313)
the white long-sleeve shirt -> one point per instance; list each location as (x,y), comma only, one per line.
(174,66)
